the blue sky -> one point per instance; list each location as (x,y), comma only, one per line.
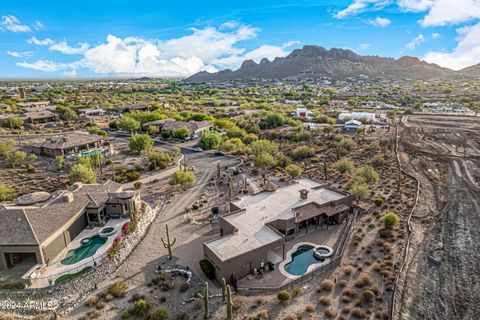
(177,38)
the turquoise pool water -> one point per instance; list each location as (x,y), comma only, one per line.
(84,251)
(302,258)
(89,153)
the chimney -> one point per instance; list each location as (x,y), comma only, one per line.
(304,194)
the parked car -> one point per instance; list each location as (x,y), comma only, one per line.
(194,137)
(197,149)
(219,153)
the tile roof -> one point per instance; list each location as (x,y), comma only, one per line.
(69,141)
(35,224)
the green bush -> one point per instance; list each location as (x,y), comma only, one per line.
(207,268)
(133,175)
(137,185)
(379,201)
(141,307)
(118,289)
(160,314)
(368,295)
(283,296)
(390,220)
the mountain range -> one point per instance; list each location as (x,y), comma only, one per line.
(317,62)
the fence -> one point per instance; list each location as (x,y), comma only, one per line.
(308,277)
(93,263)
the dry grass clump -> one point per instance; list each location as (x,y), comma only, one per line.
(238,302)
(259,301)
(297,291)
(358,313)
(310,308)
(198,304)
(345,299)
(330,312)
(327,285)
(346,310)
(365,280)
(326,301)
(348,270)
(382,314)
(90,300)
(342,283)
(349,292)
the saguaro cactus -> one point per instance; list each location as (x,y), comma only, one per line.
(205,296)
(167,244)
(224,288)
(229,304)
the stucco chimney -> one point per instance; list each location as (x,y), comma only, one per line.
(304,194)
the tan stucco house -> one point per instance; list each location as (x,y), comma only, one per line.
(37,227)
(258,224)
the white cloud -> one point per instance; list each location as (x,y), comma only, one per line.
(229,25)
(465,54)
(35,41)
(38,25)
(64,48)
(45,65)
(379,22)
(436,36)
(17,54)
(443,12)
(203,49)
(365,46)
(288,44)
(415,5)
(415,42)
(358,6)
(11,23)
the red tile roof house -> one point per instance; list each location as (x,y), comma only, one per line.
(258,224)
(39,226)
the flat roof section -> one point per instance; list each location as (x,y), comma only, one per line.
(259,209)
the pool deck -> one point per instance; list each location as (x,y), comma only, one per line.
(279,277)
(56,268)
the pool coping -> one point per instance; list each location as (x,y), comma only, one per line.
(289,259)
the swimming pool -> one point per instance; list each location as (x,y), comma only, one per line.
(87,249)
(302,258)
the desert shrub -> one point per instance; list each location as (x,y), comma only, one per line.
(283,296)
(358,313)
(260,301)
(368,295)
(101,305)
(118,289)
(345,299)
(379,201)
(137,185)
(160,314)
(90,300)
(326,301)
(261,315)
(132,175)
(327,285)
(349,292)
(238,302)
(390,220)
(310,308)
(348,270)
(382,314)
(141,307)
(342,283)
(297,291)
(207,268)
(330,312)
(198,304)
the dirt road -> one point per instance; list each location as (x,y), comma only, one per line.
(441,278)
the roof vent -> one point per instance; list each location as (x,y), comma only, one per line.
(68,197)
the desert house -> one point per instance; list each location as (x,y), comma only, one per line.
(258,224)
(69,144)
(37,227)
